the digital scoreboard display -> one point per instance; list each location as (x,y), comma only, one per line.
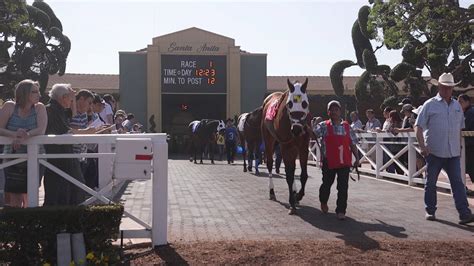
(193,73)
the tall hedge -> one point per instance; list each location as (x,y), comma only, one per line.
(336,75)
(28,236)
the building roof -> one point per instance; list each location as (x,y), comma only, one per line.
(96,82)
(110,82)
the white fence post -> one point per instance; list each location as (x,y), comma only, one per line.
(33,175)
(160,192)
(463,160)
(105,167)
(411,160)
(378,155)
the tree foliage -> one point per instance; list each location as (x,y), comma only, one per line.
(32,44)
(336,75)
(434,35)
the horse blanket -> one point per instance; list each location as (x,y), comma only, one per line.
(195,125)
(241,124)
(272,110)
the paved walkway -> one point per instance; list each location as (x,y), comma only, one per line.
(220,202)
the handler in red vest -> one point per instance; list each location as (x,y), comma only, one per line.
(337,146)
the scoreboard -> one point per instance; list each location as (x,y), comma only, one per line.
(193,73)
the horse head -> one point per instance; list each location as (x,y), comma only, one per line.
(297,106)
(221,126)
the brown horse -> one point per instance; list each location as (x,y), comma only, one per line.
(285,119)
(250,135)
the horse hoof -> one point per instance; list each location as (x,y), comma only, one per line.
(201,162)
(212,162)
(195,162)
(292,211)
(245,170)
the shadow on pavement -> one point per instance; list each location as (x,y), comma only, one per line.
(353,232)
(468,227)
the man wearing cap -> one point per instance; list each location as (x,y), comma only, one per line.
(438,131)
(338,142)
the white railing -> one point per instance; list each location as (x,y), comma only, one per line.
(373,147)
(157,231)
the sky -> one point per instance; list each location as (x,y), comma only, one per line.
(300,38)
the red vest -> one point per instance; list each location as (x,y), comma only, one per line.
(338,151)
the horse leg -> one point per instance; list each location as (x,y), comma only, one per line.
(191,151)
(258,157)
(211,152)
(304,172)
(251,155)
(269,142)
(201,152)
(290,180)
(244,152)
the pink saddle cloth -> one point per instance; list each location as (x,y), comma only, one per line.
(271,111)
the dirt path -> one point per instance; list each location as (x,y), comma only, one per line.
(307,252)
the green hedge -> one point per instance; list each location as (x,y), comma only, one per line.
(28,236)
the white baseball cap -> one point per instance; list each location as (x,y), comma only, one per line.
(333,102)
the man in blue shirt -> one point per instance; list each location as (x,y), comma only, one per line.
(230,140)
(438,131)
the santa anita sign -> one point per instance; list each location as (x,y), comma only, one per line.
(174,47)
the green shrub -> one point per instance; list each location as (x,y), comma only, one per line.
(28,236)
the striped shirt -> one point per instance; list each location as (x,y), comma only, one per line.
(79,121)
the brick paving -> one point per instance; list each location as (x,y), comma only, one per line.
(220,202)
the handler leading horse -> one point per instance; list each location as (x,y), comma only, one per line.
(286,121)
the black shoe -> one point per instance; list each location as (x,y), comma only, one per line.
(469,192)
(467,220)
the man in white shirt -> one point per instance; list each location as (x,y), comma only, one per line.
(107,114)
(438,131)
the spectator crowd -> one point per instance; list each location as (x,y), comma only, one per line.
(67,112)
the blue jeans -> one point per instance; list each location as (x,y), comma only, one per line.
(452,166)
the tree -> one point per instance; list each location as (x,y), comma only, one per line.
(435,35)
(32,44)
